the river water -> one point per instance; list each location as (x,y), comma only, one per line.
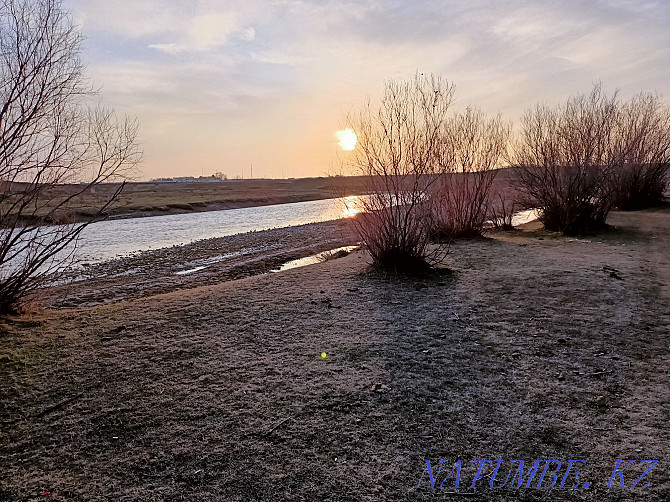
(112,238)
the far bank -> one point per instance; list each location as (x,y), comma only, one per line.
(142,199)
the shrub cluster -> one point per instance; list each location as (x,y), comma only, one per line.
(432,172)
(579,160)
(473,147)
(429,171)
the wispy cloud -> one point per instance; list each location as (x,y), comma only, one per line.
(206,33)
(221,82)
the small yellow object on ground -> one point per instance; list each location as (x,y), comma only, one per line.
(323,355)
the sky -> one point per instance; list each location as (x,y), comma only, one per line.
(219,86)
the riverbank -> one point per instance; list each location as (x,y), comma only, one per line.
(204,262)
(533,346)
(145,199)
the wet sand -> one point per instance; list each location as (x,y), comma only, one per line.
(528,345)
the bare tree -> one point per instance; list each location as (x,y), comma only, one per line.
(398,150)
(473,147)
(640,179)
(565,157)
(49,137)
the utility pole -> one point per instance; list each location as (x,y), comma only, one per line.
(252,172)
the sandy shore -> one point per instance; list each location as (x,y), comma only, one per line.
(534,346)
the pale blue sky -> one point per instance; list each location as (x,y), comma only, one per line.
(218,85)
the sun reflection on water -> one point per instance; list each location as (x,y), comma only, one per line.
(351,206)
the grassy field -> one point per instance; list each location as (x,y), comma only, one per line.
(527,345)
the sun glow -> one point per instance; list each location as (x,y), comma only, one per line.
(347,139)
(350,212)
(351,206)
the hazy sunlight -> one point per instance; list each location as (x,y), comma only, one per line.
(347,139)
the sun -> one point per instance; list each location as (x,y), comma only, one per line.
(347,139)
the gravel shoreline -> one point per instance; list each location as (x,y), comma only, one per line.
(222,259)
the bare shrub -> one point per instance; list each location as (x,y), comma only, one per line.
(473,146)
(398,150)
(565,157)
(501,210)
(50,138)
(640,179)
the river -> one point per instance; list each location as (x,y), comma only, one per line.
(105,240)
(112,238)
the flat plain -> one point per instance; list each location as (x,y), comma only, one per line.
(525,345)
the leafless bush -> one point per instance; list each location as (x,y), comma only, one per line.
(640,179)
(473,146)
(501,210)
(565,157)
(398,150)
(50,137)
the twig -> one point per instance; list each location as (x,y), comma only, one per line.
(279,424)
(57,406)
(604,372)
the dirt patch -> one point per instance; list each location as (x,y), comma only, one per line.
(530,349)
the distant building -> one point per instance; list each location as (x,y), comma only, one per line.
(187,179)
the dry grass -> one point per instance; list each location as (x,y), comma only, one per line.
(530,349)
